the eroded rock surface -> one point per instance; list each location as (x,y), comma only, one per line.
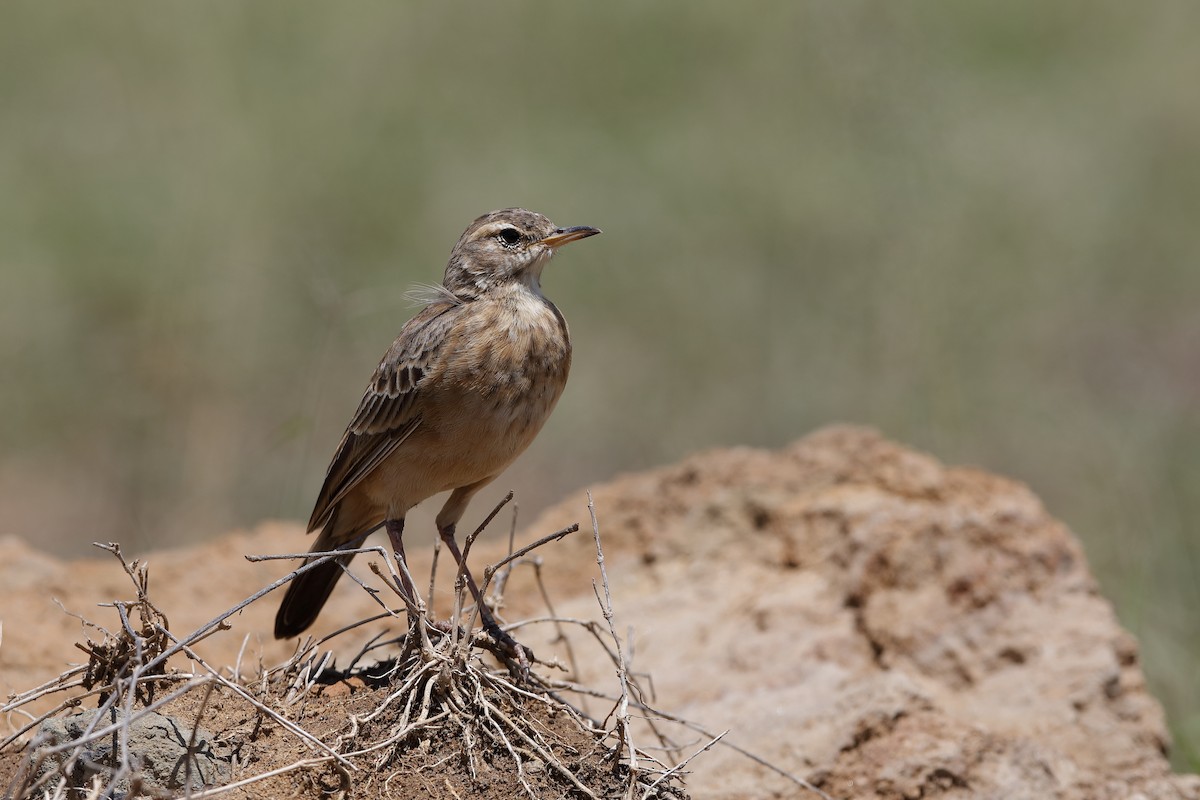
(879,624)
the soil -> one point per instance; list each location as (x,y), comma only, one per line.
(852,612)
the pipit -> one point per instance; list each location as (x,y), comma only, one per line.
(460,394)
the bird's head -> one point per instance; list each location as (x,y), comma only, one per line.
(504,246)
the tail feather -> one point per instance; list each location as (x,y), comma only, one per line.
(306,595)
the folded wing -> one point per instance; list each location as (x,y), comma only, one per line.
(390,408)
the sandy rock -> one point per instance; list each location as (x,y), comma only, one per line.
(878,624)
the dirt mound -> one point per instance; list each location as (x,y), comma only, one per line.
(851,611)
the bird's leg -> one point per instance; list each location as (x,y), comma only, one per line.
(489,622)
(395,531)
(447,534)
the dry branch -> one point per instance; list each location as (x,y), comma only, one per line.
(438,688)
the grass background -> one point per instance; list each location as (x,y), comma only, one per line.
(972,225)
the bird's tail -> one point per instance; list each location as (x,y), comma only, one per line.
(306,595)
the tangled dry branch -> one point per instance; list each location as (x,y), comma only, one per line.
(450,689)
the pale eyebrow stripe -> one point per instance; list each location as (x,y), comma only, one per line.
(493,228)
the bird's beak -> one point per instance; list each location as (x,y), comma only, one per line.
(564,235)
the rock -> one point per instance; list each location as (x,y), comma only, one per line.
(159,753)
(873,621)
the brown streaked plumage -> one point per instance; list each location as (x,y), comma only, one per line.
(460,394)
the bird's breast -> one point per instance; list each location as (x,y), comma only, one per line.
(511,362)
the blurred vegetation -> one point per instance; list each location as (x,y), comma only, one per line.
(972,225)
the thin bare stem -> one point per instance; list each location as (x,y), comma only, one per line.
(622,708)
(679,767)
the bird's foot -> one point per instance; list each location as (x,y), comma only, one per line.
(510,650)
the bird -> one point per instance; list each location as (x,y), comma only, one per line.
(461,393)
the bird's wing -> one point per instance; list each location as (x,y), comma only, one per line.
(390,408)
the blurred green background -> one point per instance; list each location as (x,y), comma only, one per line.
(972,225)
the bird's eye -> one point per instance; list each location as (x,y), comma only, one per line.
(509,237)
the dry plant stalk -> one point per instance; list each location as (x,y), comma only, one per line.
(449,682)
(124,670)
(441,686)
(449,687)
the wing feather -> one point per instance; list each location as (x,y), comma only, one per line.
(389,411)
